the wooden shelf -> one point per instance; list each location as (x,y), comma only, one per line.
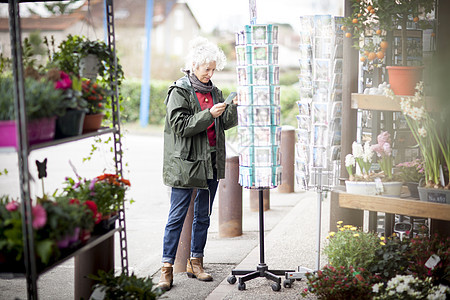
(394,205)
(378,102)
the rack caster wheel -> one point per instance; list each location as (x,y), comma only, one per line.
(231,279)
(287,283)
(241,286)
(276,287)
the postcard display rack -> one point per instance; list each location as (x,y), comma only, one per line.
(259,111)
(259,132)
(31,269)
(320,103)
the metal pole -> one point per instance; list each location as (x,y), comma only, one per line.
(145,88)
(319,214)
(22,149)
(261,226)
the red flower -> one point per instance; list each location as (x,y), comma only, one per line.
(74,201)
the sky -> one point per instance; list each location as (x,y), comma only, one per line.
(234,14)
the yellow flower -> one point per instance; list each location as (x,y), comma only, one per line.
(353,228)
(341,229)
(340,222)
(382,238)
(348,226)
(382,243)
(356,235)
(332,233)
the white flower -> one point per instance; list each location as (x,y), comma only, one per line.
(350,160)
(368,152)
(376,287)
(422,132)
(357,150)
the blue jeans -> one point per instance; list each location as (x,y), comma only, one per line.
(179,205)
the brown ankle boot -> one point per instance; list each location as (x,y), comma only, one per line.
(166,280)
(194,269)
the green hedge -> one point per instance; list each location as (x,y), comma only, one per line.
(131,93)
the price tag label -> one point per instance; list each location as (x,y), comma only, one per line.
(379,186)
(432,261)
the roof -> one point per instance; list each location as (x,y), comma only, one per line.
(58,23)
(128,13)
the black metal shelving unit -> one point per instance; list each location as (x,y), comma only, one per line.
(32,272)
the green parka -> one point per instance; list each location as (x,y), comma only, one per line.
(187,159)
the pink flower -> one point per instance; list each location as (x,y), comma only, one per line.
(12,206)
(387,149)
(39,216)
(384,137)
(65,82)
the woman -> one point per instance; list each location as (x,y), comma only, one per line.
(194,153)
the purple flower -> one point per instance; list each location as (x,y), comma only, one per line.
(92,184)
(76,185)
(39,216)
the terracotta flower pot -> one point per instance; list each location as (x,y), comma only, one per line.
(92,122)
(403,79)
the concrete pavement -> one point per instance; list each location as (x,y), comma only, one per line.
(290,226)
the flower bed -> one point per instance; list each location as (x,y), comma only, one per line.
(365,266)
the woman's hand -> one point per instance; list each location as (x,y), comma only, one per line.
(217,109)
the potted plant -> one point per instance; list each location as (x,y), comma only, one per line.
(74,107)
(11,245)
(123,287)
(366,181)
(432,134)
(376,18)
(42,106)
(411,173)
(107,191)
(72,54)
(96,98)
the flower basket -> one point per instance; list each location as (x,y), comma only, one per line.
(105,225)
(89,66)
(92,122)
(389,189)
(413,189)
(70,124)
(40,130)
(434,195)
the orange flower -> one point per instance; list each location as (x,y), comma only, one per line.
(125,181)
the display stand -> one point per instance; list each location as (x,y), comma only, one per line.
(262,270)
(301,271)
(102,242)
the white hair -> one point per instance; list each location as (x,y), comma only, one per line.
(202,51)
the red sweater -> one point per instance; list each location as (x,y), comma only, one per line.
(206,101)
